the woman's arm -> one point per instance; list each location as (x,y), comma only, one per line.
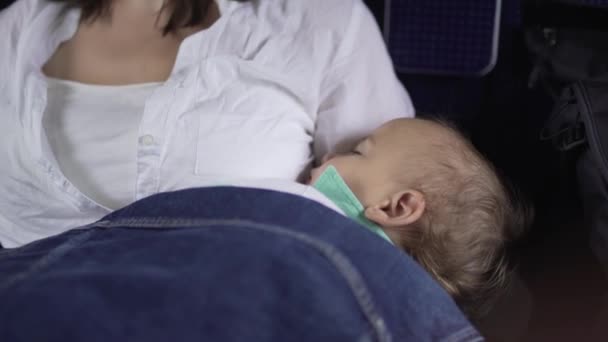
(360,90)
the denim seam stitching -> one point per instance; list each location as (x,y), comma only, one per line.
(344,267)
(50,258)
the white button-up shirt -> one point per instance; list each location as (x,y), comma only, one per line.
(270,86)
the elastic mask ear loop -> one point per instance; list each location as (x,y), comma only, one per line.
(331,184)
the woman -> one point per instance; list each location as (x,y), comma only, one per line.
(106,102)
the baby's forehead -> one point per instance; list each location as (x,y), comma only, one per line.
(418,129)
(428,144)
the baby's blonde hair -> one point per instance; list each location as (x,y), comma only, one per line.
(471,216)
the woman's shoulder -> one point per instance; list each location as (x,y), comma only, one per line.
(21,10)
(13,21)
(16,19)
(331,15)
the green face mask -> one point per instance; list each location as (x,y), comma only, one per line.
(331,184)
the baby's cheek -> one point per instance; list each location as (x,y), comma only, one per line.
(359,192)
(358,186)
(350,178)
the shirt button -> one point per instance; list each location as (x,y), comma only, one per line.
(147,140)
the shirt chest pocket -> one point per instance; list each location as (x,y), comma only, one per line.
(252,144)
(230,145)
(249,124)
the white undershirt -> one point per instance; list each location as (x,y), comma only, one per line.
(93,132)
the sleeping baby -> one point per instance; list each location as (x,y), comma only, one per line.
(424,188)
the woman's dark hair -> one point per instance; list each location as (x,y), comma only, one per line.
(184,13)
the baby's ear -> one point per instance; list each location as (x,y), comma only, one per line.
(401,209)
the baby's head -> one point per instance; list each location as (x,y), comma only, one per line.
(438,199)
